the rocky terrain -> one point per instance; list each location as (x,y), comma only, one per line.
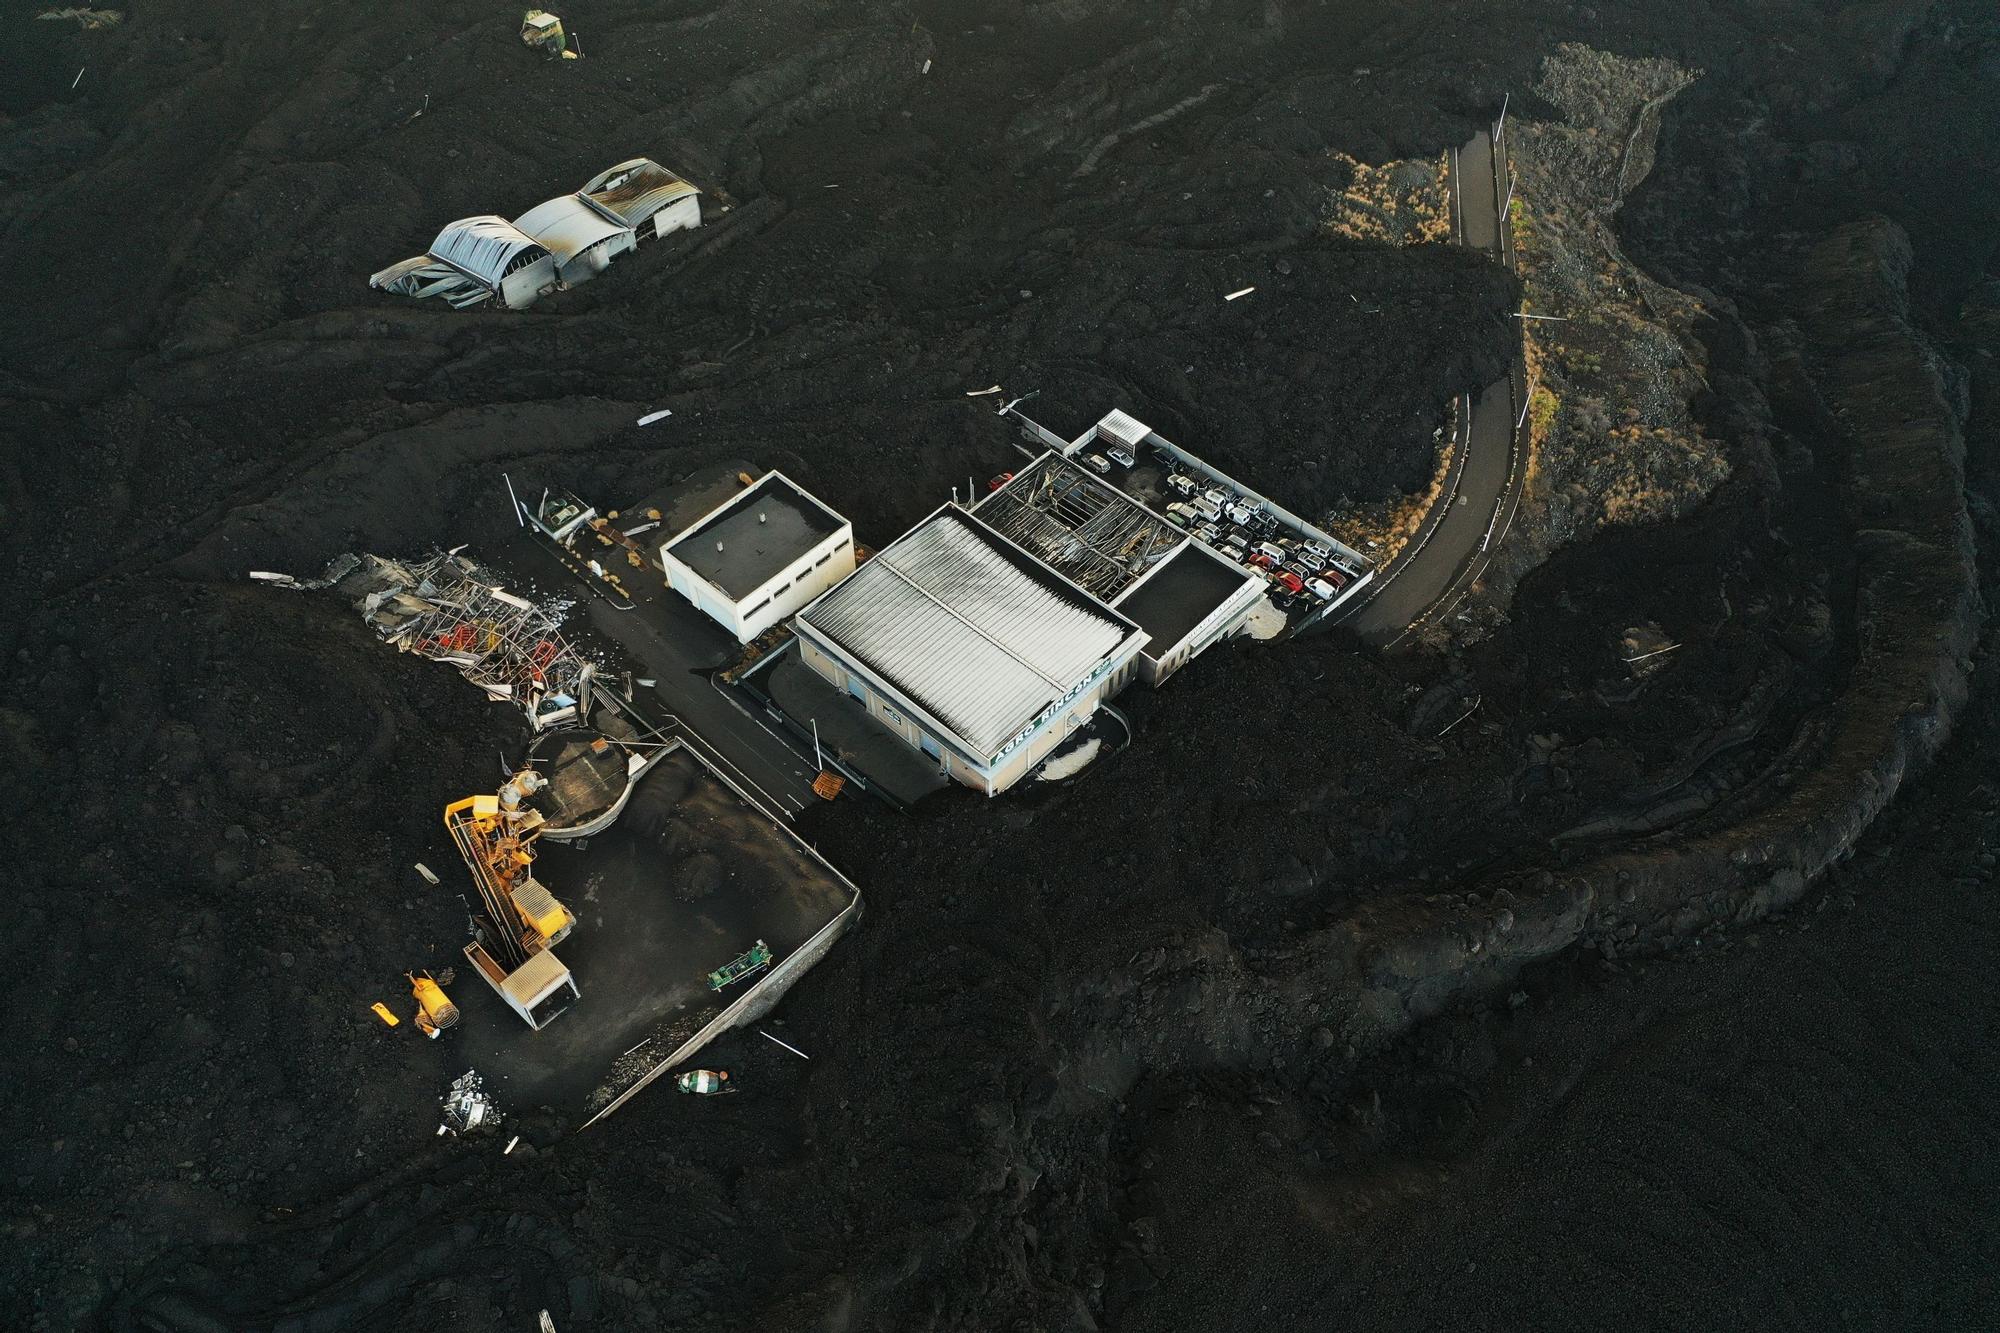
(1302,1007)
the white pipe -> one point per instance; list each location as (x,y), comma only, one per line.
(787,1045)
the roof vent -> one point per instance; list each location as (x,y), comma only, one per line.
(760,516)
(718,546)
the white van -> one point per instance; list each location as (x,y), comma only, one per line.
(1206,507)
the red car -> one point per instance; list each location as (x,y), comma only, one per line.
(999,481)
(1289,581)
(1262,561)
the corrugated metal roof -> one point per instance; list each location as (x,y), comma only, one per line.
(482,246)
(1126,430)
(567,226)
(637,189)
(971,630)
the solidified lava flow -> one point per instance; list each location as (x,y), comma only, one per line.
(1608,949)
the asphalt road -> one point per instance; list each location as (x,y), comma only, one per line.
(677,648)
(1452,547)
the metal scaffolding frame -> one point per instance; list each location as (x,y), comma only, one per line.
(1080,525)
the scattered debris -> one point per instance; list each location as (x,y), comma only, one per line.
(94,20)
(981,393)
(1241,292)
(548,1323)
(755,960)
(466,1107)
(651,417)
(787,1045)
(512,1144)
(383,1012)
(703,1082)
(272,576)
(926,69)
(508,646)
(430,876)
(829,784)
(78,79)
(544,32)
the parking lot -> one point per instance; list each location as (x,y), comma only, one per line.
(1308,572)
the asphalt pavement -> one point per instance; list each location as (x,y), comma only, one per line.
(1452,547)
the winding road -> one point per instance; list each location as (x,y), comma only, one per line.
(1452,547)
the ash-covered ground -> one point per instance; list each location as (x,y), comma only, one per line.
(1265,1020)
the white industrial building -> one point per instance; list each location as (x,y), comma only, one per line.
(969,648)
(760,556)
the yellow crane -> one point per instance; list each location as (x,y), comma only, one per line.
(496,835)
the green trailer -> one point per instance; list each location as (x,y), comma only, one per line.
(743,965)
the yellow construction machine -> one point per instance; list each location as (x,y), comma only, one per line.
(496,835)
(435,1011)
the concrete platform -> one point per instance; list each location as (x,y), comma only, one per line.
(846,730)
(690,876)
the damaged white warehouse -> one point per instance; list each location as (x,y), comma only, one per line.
(558,243)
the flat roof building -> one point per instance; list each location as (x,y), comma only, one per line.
(1187,602)
(969,648)
(760,556)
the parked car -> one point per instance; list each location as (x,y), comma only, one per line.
(1241,536)
(1241,511)
(1271,551)
(1098,463)
(1206,507)
(1335,575)
(1122,457)
(1260,560)
(1230,551)
(1181,484)
(996,483)
(1179,514)
(1208,533)
(1218,498)
(1289,581)
(1315,553)
(1321,589)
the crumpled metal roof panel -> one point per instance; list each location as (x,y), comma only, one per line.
(969,629)
(567,226)
(482,246)
(637,189)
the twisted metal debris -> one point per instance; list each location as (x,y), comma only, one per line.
(445,609)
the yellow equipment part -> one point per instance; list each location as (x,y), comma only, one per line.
(435,1011)
(382,1012)
(541,912)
